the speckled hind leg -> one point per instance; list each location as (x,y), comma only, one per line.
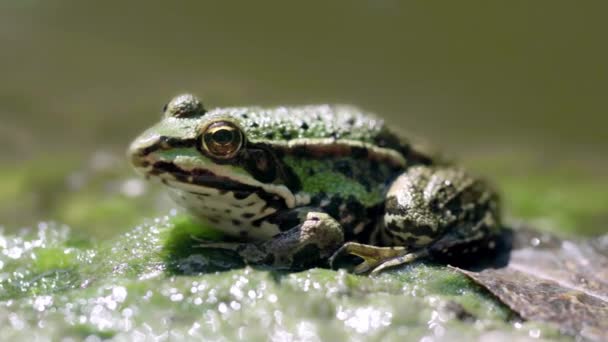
(305,245)
(429,210)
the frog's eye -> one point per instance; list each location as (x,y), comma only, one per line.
(222,139)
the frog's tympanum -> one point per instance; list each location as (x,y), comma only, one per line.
(300,186)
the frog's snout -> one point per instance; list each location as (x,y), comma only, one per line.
(138,162)
(137,154)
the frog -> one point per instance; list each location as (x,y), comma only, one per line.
(293,187)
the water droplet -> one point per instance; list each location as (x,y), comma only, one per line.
(272,298)
(119,294)
(534,333)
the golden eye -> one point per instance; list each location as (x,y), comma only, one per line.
(222,139)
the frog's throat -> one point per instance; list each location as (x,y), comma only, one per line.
(193,179)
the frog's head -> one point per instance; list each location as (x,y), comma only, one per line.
(207,156)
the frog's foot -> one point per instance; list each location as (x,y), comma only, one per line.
(403,259)
(377,259)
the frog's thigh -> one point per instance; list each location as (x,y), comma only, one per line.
(429,204)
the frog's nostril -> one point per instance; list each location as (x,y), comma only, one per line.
(138,161)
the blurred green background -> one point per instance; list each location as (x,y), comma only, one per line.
(515,90)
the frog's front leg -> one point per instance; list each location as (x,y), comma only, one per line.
(428,210)
(316,238)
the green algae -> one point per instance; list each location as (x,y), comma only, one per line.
(140,285)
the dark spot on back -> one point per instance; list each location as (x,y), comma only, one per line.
(374,167)
(344,167)
(359,152)
(299,151)
(236,222)
(366,184)
(241,194)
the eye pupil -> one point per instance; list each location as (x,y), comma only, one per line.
(223,136)
(222,139)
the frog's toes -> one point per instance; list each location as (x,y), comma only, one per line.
(373,256)
(399,260)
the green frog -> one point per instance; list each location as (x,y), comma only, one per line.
(295,187)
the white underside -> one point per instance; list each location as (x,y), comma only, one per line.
(225,212)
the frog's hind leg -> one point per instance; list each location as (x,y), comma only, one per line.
(434,209)
(429,210)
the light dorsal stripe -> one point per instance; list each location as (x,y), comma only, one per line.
(326,147)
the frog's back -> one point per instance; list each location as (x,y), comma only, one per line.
(301,122)
(317,122)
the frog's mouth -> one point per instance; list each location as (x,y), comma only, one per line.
(196,180)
